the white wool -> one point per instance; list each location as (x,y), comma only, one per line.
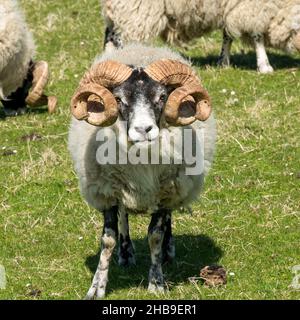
(142,20)
(16,47)
(135,187)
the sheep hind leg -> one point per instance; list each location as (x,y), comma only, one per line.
(126,249)
(109,240)
(112,39)
(263,64)
(156,232)
(224,58)
(168,246)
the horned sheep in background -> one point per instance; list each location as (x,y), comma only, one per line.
(273,23)
(141,93)
(22,81)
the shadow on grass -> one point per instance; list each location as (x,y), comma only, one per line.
(192,253)
(29,111)
(248,61)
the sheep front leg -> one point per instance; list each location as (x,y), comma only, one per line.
(263,63)
(224,58)
(126,249)
(109,240)
(168,246)
(156,232)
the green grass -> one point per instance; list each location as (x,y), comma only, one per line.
(247,221)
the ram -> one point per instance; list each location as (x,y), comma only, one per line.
(22,81)
(274,23)
(144,94)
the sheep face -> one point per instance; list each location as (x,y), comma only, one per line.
(142,95)
(141,101)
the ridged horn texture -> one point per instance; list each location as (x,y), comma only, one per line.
(36,96)
(188,89)
(93,100)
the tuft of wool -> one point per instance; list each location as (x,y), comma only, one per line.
(16,47)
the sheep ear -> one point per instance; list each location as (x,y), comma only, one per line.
(204,110)
(187,108)
(95,104)
(187,104)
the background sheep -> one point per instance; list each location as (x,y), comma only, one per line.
(147,106)
(18,73)
(273,23)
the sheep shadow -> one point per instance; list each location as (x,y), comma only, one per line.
(247,61)
(41,110)
(192,254)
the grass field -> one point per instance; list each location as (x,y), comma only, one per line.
(248,219)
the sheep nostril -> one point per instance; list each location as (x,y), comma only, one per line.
(143,130)
(148,129)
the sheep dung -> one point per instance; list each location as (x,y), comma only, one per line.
(213,275)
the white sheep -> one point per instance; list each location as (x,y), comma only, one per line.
(275,23)
(143,94)
(21,80)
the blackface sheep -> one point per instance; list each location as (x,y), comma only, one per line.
(22,81)
(273,23)
(143,94)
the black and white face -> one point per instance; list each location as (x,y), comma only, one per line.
(141,102)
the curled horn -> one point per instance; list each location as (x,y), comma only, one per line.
(93,100)
(188,91)
(36,96)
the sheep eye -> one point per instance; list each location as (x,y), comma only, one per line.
(163,98)
(118,100)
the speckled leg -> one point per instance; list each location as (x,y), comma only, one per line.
(156,232)
(224,59)
(263,64)
(109,240)
(126,249)
(112,38)
(168,246)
